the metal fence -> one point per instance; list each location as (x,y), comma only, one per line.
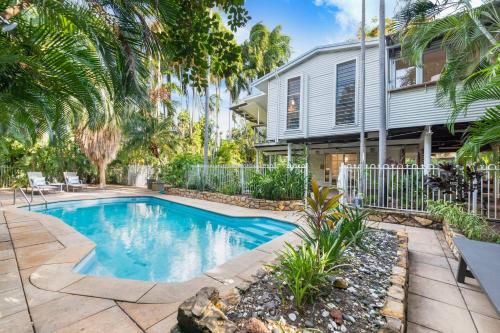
(8,176)
(410,187)
(291,181)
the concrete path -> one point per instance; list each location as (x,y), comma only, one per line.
(437,303)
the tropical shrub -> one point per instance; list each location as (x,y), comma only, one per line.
(175,172)
(281,183)
(328,231)
(302,271)
(473,226)
(355,219)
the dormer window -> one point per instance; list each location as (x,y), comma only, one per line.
(293,103)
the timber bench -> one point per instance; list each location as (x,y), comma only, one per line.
(481,261)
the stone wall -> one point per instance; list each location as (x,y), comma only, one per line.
(239,200)
(395,306)
(405,218)
(450,232)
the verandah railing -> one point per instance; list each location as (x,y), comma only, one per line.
(239,179)
(406,187)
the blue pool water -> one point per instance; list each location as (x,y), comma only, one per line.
(145,238)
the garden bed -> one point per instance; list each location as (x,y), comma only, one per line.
(366,295)
(239,200)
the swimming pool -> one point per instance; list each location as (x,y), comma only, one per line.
(146,238)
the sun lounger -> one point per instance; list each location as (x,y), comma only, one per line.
(37,182)
(72,181)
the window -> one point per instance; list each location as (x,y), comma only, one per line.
(433,65)
(345,96)
(405,74)
(293,104)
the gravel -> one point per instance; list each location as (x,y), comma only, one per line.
(355,309)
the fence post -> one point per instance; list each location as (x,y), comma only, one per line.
(242,178)
(474,195)
(306,183)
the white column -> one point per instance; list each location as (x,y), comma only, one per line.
(289,154)
(427,148)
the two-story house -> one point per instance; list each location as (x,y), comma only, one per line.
(312,102)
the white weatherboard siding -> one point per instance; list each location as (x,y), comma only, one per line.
(406,108)
(417,107)
(318,97)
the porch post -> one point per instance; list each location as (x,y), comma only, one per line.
(427,149)
(289,154)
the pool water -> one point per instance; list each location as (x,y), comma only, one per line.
(145,238)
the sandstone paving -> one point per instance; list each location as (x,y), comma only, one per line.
(111,320)
(485,324)
(434,305)
(19,322)
(147,315)
(436,290)
(478,302)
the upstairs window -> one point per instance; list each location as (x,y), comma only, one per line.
(404,74)
(293,103)
(345,97)
(433,64)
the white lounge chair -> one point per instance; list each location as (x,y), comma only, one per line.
(37,182)
(72,180)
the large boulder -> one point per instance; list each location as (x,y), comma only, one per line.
(200,314)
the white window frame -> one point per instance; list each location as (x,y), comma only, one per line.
(419,73)
(356,94)
(301,104)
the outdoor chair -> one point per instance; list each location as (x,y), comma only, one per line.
(37,181)
(72,181)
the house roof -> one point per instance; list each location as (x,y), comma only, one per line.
(311,53)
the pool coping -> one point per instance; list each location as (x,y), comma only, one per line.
(56,274)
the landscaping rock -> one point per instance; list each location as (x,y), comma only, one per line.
(423,221)
(254,325)
(232,297)
(336,315)
(199,314)
(340,283)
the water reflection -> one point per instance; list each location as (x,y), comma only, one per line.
(151,239)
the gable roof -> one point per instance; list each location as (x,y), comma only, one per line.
(311,53)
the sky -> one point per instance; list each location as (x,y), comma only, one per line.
(311,23)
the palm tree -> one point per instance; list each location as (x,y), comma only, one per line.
(264,51)
(472,54)
(100,145)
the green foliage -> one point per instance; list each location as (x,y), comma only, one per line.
(229,153)
(302,271)
(176,171)
(281,183)
(51,160)
(328,231)
(470,38)
(473,226)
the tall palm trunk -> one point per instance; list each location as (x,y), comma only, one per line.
(382,110)
(362,143)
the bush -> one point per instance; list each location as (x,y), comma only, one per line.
(281,183)
(471,225)
(329,230)
(175,172)
(302,271)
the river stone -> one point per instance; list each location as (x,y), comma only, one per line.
(199,314)
(254,325)
(340,283)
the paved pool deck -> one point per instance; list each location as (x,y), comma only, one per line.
(39,292)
